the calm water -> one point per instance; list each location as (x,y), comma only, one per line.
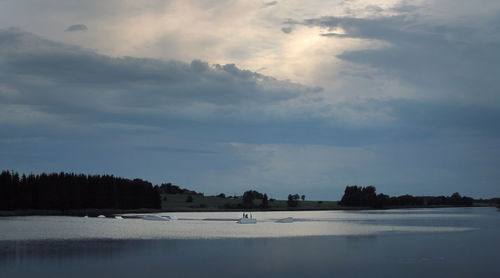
(457,242)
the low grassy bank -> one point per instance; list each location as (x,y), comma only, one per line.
(175,202)
(178,202)
(199,203)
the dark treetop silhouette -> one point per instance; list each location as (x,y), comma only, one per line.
(357,196)
(71,191)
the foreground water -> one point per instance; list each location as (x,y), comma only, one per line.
(457,242)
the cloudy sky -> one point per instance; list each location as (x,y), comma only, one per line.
(282,96)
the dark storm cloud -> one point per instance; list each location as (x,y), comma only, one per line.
(66,80)
(453,68)
(445,61)
(65,106)
(77,27)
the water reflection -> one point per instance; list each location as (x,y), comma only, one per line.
(21,252)
(357,248)
(404,255)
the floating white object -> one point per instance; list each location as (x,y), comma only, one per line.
(86,216)
(101,216)
(246,221)
(155,218)
(118,217)
(285,220)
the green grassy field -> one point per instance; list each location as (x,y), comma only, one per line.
(177,202)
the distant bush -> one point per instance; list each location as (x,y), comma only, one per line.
(189,199)
(265,202)
(168,188)
(357,196)
(249,196)
(293,200)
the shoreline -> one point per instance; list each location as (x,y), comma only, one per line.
(113,212)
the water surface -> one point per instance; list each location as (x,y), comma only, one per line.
(456,242)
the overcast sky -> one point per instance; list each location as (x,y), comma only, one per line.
(280,96)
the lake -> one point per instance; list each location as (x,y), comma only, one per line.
(450,242)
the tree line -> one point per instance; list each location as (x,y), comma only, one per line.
(169,188)
(357,196)
(63,191)
(249,196)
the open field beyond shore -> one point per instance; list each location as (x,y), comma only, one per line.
(178,203)
(175,202)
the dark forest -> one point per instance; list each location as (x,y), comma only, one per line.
(64,191)
(357,196)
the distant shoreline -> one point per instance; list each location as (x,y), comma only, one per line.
(80,194)
(112,212)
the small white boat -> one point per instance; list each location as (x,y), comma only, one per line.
(285,220)
(246,221)
(86,216)
(155,218)
(118,217)
(101,216)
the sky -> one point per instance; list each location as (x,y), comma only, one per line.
(280,96)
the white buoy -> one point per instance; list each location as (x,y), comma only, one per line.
(101,216)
